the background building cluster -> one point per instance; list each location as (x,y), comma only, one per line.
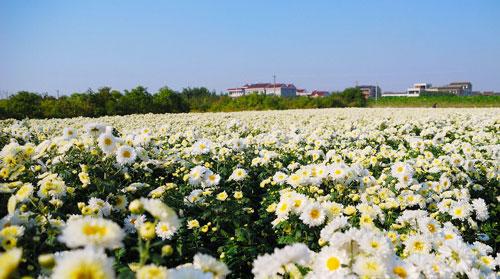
(461,88)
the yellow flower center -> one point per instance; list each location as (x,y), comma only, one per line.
(400,271)
(283,207)
(126,154)
(435,267)
(94,230)
(372,266)
(164,228)
(431,228)
(108,141)
(418,245)
(314,214)
(486,260)
(87,271)
(332,263)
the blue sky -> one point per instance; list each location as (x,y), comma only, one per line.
(73,45)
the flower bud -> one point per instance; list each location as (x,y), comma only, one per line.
(46,260)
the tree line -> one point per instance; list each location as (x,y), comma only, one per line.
(106,101)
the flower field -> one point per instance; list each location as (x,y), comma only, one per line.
(330,193)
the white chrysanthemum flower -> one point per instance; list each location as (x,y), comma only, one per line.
(69,133)
(51,186)
(400,170)
(25,192)
(161,211)
(331,263)
(211,179)
(332,209)
(103,207)
(283,208)
(85,263)
(95,129)
(209,264)
(313,215)
(201,147)
(194,197)
(375,244)
(268,266)
(460,210)
(133,222)
(295,180)
(107,143)
(369,267)
(125,155)
(196,175)
(299,201)
(152,271)
(418,244)
(337,223)
(12,231)
(188,272)
(280,177)
(165,230)
(238,175)
(481,209)
(91,231)
(457,160)
(458,255)
(338,171)
(402,270)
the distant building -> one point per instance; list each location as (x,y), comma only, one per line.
(458,88)
(303,92)
(397,94)
(318,93)
(486,93)
(370,91)
(236,92)
(278,89)
(417,89)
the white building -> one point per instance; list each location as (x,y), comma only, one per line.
(462,88)
(417,89)
(278,89)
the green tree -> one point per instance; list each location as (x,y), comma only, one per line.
(167,100)
(24,104)
(353,97)
(137,100)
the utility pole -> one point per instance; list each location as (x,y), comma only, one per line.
(57,91)
(376,92)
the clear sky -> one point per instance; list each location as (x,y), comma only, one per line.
(329,45)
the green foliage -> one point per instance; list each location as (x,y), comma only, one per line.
(439,101)
(106,101)
(436,94)
(24,104)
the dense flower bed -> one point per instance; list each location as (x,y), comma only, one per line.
(308,193)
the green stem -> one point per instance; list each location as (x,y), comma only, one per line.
(143,251)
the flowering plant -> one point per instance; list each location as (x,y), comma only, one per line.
(337,193)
